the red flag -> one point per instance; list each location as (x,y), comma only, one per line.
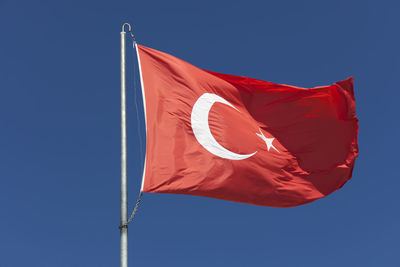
(242,139)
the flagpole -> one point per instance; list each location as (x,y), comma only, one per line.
(124,193)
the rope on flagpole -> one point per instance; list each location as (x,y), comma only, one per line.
(138,128)
(133,212)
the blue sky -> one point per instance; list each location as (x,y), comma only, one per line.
(59,138)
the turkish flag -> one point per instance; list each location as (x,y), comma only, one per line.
(241,139)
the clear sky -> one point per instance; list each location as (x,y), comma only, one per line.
(59,135)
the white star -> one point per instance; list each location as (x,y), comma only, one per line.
(268,141)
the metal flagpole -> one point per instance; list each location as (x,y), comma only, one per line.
(124,193)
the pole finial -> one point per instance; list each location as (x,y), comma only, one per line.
(129,27)
(129,30)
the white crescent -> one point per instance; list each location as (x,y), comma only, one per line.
(201,128)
